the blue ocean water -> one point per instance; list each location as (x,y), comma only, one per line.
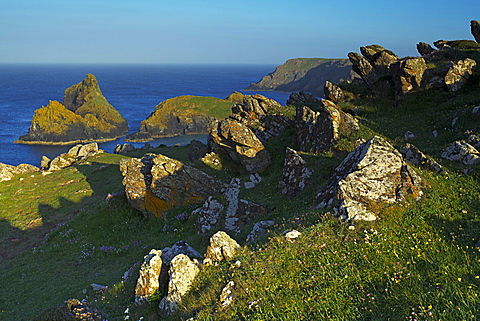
(134,90)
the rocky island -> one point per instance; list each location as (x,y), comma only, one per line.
(83,115)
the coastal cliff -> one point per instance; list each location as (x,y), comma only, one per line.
(84,115)
(305,74)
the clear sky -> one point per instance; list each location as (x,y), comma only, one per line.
(221,31)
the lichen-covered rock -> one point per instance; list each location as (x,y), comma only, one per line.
(208,215)
(374,172)
(475,28)
(150,274)
(239,142)
(424,49)
(271,126)
(180,247)
(333,92)
(380,58)
(61,161)
(7,172)
(84,151)
(416,157)
(156,183)
(462,151)
(407,74)
(123,148)
(182,273)
(320,131)
(363,68)
(222,247)
(295,176)
(84,115)
(226,296)
(252,108)
(458,73)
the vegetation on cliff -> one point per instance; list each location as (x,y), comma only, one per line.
(180,116)
(84,115)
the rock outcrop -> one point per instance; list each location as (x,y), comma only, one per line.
(252,108)
(7,172)
(462,151)
(319,131)
(302,98)
(458,73)
(374,172)
(181,274)
(295,176)
(156,183)
(84,115)
(305,74)
(475,28)
(417,158)
(407,74)
(239,143)
(333,92)
(208,215)
(75,154)
(424,49)
(222,247)
(150,276)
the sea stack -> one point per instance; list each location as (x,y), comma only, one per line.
(84,115)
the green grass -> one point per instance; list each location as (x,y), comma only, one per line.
(419,261)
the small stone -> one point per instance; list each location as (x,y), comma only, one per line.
(291,235)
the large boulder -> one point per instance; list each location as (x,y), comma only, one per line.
(271,126)
(302,98)
(407,74)
(222,247)
(320,131)
(295,176)
(182,273)
(363,68)
(380,58)
(417,158)
(150,276)
(7,172)
(458,73)
(240,144)
(252,108)
(374,172)
(156,183)
(475,28)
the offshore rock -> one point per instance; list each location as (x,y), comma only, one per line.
(475,28)
(458,73)
(222,247)
(296,176)
(152,276)
(182,273)
(407,74)
(240,144)
(333,92)
(374,172)
(156,183)
(320,131)
(84,115)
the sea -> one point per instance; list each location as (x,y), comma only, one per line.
(134,90)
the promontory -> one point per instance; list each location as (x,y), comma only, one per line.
(83,115)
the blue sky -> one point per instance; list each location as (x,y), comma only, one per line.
(221,31)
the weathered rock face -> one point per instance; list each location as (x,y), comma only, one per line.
(84,115)
(240,144)
(302,98)
(222,247)
(148,281)
(208,215)
(156,183)
(319,131)
(180,247)
(252,108)
(197,150)
(296,176)
(363,68)
(333,92)
(475,28)
(458,73)
(407,74)
(182,115)
(424,48)
(259,229)
(123,148)
(380,58)
(7,172)
(182,272)
(271,126)
(374,172)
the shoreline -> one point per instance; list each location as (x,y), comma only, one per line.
(78,141)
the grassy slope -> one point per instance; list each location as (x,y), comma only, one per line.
(417,262)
